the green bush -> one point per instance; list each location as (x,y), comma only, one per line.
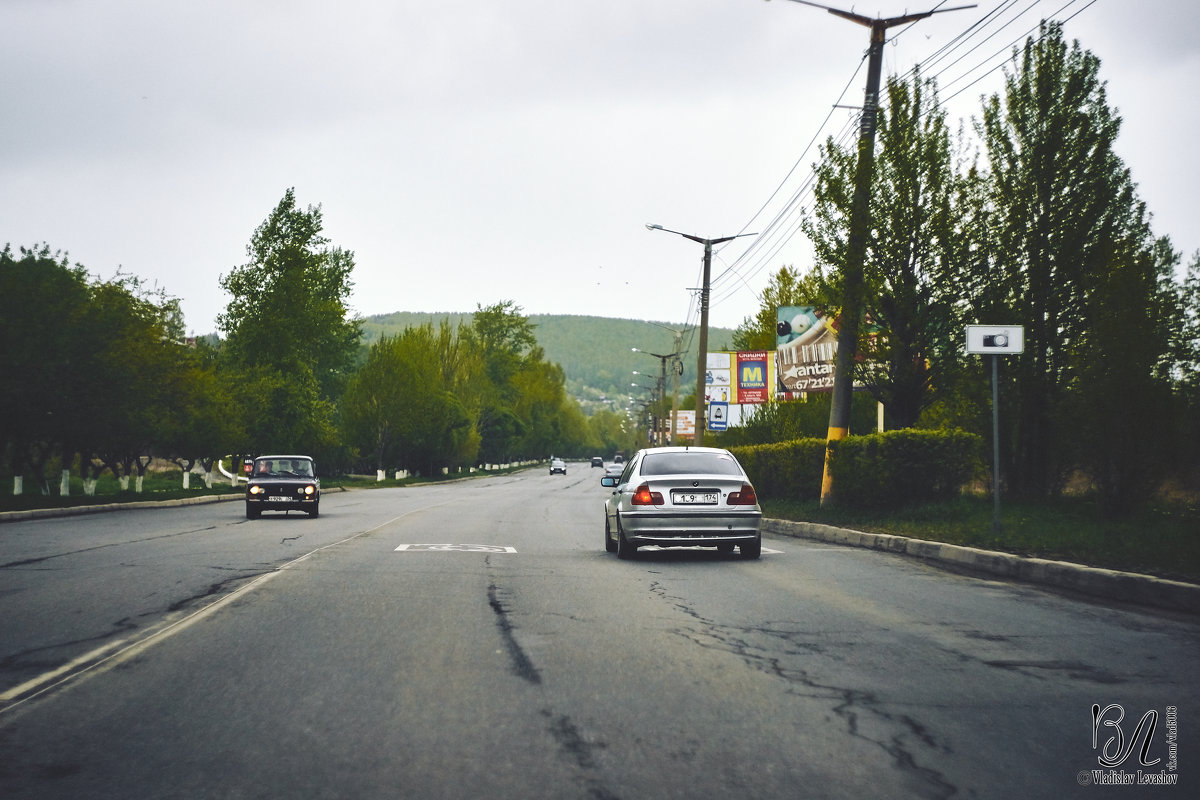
(882,470)
(785,469)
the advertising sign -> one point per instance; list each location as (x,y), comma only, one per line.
(685,425)
(806,344)
(752,383)
(718,379)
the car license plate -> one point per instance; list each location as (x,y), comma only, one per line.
(694,498)
(278,499)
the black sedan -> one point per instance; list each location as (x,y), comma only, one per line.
(283,483)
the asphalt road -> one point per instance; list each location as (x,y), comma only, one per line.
(190,653)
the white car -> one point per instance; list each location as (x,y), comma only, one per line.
(682,497)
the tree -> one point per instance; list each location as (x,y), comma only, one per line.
(1064,222)
(904,273)
(399,407)
(502,336)
(288,307)
(288,333)
(41,296)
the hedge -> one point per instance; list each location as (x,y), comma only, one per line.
(881,470)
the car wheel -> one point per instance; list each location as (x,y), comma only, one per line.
(609,544)
(315,511)
(752,550)
(624,548)
(252,513)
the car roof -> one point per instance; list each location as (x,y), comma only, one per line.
(309,458)
(677,449)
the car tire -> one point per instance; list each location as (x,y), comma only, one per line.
(316,511)
(625,549)
(252,513)
(609,544)
(752,550)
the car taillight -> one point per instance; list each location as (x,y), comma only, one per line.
(746,497)
(642,496)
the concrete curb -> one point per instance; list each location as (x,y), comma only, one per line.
(75,511)
(1107,584)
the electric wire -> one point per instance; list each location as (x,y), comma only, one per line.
(761,251)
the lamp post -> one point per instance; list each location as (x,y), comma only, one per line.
(702,356)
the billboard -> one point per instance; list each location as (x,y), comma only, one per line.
(806,344)
(743,377)
(718,379)
(753,385)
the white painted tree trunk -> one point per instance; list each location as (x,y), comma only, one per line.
(89,487)
(18,484)
(64,485)
(137,483)
(187,479)
(208,479)
(124,481)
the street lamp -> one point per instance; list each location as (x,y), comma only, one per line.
(702,357)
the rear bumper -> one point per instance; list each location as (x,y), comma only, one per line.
(667,529)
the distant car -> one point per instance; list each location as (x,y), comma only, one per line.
(558,465)
(597,461)
(682,497)
(614,470)
(283,483)
(618,459)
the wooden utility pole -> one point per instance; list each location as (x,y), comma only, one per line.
(860,224)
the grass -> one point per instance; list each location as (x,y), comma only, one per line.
(1162,540)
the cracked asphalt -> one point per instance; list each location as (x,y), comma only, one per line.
(196,654)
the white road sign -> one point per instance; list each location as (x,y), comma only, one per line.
(995,339)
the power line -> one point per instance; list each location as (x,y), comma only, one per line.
(786,223)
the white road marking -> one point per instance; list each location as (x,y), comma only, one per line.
(454,548)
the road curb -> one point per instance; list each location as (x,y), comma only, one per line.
(75,511)
(1107,584)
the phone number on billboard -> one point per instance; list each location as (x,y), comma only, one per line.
(813,384)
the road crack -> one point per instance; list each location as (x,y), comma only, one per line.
(522,665)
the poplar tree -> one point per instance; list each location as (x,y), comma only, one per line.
(1069,238)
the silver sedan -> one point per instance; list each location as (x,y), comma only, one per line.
(682,497)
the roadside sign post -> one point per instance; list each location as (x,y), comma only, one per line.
(718,416)
(996,341)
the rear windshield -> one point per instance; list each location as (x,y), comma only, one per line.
(695,463)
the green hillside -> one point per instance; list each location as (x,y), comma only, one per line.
(596,353)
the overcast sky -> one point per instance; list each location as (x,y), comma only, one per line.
(475,151)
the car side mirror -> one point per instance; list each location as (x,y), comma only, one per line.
(608,480)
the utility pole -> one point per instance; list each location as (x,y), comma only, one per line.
(702,358)
(860,223)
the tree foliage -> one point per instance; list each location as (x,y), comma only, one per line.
(289,333)
(288,306)
(1041,228)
